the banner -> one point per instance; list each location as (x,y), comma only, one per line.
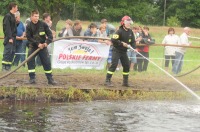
(79,54)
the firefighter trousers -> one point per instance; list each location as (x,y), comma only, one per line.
(116,56)
(45,60)
(9,52)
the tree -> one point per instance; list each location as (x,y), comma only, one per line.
(53,7)
(24,6)
(149,12)
(186,11)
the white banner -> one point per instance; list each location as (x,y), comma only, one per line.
(79,54)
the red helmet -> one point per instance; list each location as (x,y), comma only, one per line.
(125,18)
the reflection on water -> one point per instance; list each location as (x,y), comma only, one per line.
(148,116)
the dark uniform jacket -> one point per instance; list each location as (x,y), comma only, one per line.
(122,35)
(145,41)
(38,33)
(9,27)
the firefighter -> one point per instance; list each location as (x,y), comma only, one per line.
(121,40)
(10,32)
(39,36)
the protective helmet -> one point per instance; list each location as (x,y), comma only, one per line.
(126,19)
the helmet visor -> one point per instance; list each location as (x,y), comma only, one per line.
(128,22)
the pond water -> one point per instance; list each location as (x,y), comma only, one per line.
(101,116)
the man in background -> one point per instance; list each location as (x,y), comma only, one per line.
(10,31)
(19,37)
(104,22)
(77,28)
(180,51)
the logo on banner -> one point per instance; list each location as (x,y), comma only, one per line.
(79,54)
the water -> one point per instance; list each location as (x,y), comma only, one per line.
(101,116)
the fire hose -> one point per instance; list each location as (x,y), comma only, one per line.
(167,73)
(36,51)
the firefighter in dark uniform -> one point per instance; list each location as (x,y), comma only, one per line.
(10,31)
(122,39)
(39,36)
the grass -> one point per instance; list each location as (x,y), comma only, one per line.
(157,32)
(74,94)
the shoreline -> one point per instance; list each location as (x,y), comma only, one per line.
(72,94)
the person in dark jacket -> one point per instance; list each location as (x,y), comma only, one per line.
(91,32)
(10,31)
(142,63)
(77,28)
(39,36)
(122,39)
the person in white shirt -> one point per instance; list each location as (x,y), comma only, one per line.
(172,39)
(180,51)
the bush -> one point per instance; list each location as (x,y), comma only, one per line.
(173,22)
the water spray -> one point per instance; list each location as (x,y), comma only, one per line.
(183,85)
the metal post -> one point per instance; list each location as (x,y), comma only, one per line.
(164,13)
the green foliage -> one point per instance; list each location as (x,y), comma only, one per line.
(148,12)
(173,22)
(24,6)
(187,11)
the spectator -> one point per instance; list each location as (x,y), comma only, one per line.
(140,30)
(172,39)
(109,60)
(180,51)
(47,19)
(19,37)
(101,32)
(77,28)
(104,22)
(25,42)
(67,31)
(131,54)
(144,50)
(91,31)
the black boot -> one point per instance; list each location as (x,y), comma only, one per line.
(3,68)
(51,81)
(32,81)
(32,78)
(7,67)
(108,82)
(125,81)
